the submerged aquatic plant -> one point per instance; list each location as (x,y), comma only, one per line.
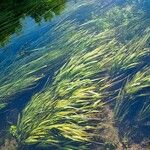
(104,76)
(133,105)
(70,114)
(71,108)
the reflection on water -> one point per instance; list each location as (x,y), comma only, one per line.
(12,12)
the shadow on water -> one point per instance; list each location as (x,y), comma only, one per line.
(11,11)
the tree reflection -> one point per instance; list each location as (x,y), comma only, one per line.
(11,11)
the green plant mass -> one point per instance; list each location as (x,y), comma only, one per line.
(96,74)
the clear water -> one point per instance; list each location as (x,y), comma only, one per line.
(37,37)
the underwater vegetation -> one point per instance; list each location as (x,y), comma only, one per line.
(96,93)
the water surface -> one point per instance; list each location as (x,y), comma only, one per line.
(88,59)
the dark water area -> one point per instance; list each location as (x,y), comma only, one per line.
(74,74)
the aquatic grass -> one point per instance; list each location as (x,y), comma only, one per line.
(23,77)
(69,104)
(40,60)
(133,103)
(139,82)
(132,55)
(26,68)
(101,75)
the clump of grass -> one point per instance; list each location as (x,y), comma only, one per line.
(70,104)
(79,92)
(24,73)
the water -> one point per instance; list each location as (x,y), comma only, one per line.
(74,74)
